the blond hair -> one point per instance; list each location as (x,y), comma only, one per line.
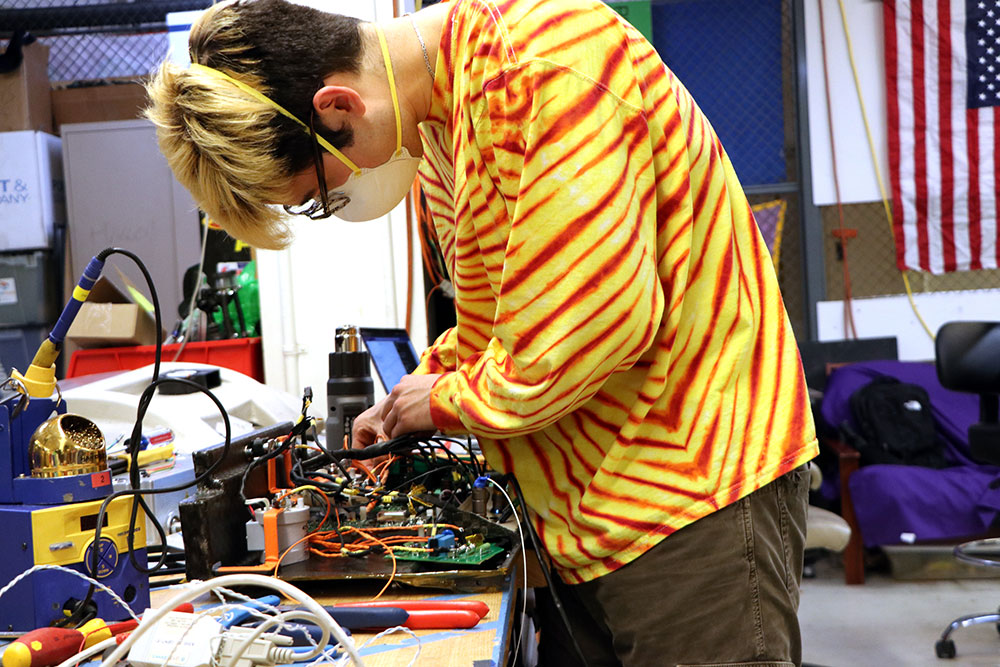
(237,155)
(220,145)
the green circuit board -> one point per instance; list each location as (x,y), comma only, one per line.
(470,555)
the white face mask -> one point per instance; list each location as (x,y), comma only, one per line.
(369,192)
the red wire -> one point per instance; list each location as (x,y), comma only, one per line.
(848,311)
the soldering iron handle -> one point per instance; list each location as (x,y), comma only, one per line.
(80,294)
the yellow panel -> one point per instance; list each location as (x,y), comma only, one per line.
(60,534)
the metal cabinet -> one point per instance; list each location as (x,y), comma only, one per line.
(120,192)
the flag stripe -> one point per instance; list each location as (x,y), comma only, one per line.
(972,141)
(947,181)
(986,184)
(920,127)
(892,106)
(959,139)
(932,146)
(907,123)
(991,158)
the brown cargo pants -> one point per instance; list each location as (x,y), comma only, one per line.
(721,591)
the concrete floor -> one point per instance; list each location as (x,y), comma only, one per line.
(889,622)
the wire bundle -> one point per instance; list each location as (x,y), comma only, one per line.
(347,492)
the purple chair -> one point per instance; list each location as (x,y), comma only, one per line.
(893,504)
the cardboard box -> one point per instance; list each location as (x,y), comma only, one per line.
(108,318)
(32,190)
(26,94)
(93,104)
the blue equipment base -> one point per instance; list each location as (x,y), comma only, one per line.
(31,538)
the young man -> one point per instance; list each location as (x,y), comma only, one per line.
(621,344)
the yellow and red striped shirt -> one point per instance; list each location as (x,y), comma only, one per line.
(621,344)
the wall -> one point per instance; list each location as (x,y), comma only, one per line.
(858,182)
(893,316)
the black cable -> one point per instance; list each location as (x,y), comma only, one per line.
(138,493)
(107,252)
(437,443)
(135,442)
(536,544)
(467,445)
(297,430)
(322,458)
(400,443)
(299,476)
(480,467)
(416,478)
(133,447)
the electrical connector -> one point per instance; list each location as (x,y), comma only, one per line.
(234,651)
(180,640)
(190,640)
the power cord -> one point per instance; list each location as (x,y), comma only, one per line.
(524,563)
(537,545)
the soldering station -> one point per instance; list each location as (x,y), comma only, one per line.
(289,501)
(55,486)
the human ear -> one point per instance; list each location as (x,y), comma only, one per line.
(338,100)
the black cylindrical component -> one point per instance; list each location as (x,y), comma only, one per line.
(350,365)
(479,497)
(350,389)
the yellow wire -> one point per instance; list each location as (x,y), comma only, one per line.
(304,487)
(878,171)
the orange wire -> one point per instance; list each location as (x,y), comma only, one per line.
(363,468)
(285,553)
(384,465)
(430,293)
(329,508)
(356,463)
(391,555)
(371,539)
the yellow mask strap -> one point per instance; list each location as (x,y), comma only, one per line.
(392,86)
(261,97)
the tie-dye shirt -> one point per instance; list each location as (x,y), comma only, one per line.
(621,345)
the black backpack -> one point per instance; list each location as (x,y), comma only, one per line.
(895,425)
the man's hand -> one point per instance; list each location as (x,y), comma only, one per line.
(367,427)
(407,408)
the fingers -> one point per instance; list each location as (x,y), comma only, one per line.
(367,427)
(407,407)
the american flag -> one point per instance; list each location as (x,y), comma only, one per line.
(943,92)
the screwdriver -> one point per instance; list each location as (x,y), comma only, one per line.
(46,647)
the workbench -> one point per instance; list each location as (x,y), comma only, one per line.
(486,645)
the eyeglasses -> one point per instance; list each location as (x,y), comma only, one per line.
(318,209)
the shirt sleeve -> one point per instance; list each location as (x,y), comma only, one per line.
(440,356)
(568,165)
